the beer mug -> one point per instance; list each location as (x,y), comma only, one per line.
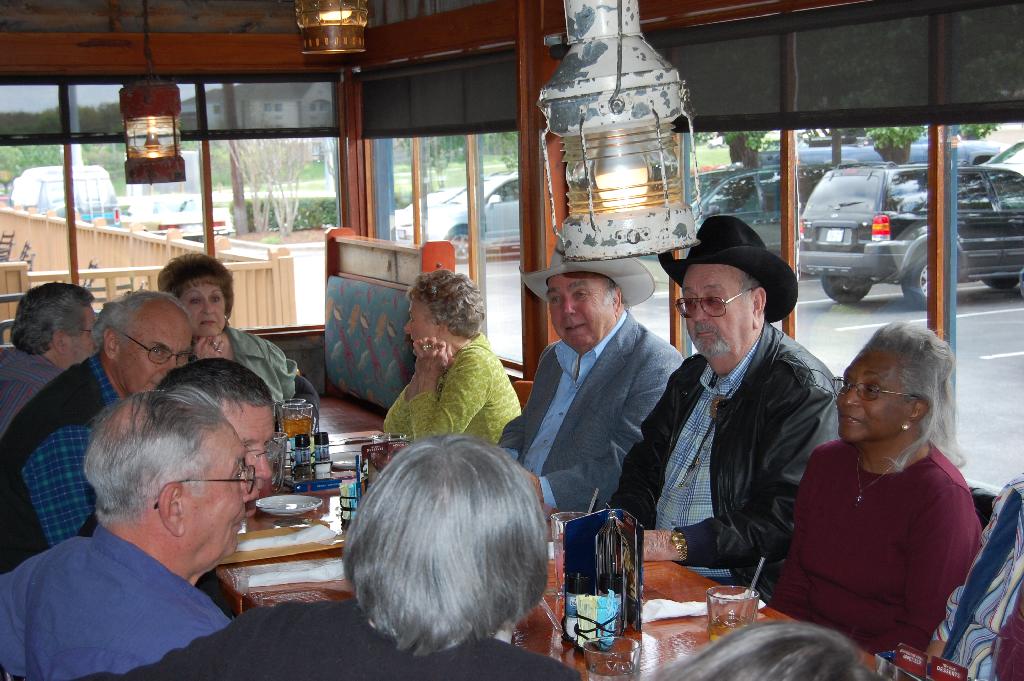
(297,417)
(277,457)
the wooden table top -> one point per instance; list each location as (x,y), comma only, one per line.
(663,641)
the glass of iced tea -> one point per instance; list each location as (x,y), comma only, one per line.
(729,608)
(297,417)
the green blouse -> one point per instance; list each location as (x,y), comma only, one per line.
(474,396)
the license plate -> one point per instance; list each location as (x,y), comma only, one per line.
(834,236)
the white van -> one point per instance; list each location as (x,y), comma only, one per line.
(43,189)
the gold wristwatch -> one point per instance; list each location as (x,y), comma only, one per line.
(679,541)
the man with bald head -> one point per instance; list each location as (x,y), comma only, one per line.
(44,496)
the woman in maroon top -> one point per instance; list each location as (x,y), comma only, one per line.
(885,524)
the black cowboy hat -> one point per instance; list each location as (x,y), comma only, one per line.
(727,240)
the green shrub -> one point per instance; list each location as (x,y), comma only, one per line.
(313,213)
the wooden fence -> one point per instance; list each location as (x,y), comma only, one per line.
(114,260)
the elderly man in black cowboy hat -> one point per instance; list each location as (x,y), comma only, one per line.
(724,449)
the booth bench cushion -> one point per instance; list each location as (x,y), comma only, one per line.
(367,353)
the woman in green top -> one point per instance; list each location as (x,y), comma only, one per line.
(459,384)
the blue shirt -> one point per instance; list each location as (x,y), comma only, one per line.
(96,604)
(55,472)
(686,497)
(569,384)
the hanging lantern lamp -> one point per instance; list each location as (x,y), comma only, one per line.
(612,100)
(331,26)
(151,112)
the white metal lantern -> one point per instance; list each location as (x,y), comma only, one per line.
(612,101)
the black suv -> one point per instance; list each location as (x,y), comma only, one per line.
(867,224)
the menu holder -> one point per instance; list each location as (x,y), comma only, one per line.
(582,556)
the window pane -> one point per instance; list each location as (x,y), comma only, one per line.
(392,187)
(988,51)
(989,319)
(278,197)
(729,77)
(857,224)
(443,201)
(33,178)
(842,68)
(500,247)
(240,106)
(95,108)
(29,109)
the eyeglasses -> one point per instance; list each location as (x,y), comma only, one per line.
(161,354)
(246,475)
(865,391)
(713,306)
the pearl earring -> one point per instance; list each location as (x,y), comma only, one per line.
(905,426)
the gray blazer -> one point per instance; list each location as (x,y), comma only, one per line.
(603,421)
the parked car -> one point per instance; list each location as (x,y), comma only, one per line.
(446,216)
(184,212)
(969,152)
(42,188)
(868,224)
(753,196)
(1011,156)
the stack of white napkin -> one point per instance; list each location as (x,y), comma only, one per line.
(662,608)
(304,571)
(315,534)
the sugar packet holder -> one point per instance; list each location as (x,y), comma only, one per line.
(907,663)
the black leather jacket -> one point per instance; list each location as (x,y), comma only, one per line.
(765,433)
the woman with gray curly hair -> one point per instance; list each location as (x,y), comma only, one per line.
(459,384)
(885,526)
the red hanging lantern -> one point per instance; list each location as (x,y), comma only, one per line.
(151,110)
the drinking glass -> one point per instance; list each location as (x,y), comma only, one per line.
(277,457)
(558,521)
(297,417)
(614,658)
(729,608)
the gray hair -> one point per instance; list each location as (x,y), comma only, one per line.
(120,314)
(224,381)
(780,651)
(926,365)
(453,300)
(144,442)
(46,309)
(449,546)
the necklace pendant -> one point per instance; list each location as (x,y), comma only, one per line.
(856,502)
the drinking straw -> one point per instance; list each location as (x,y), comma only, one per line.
(757,573)
(593,501)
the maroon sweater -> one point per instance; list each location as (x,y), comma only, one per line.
(879,572)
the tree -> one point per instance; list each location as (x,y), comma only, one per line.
(977,131)
(270,169)
(893,144)
(743,147)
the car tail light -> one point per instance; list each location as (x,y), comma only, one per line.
(803,227)
(117,216)
(880,230)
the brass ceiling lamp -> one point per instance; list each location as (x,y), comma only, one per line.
(151,112)
(331,26)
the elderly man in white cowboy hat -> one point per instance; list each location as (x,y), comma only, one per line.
(594,386)
(724,449)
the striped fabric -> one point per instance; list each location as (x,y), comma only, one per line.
(21,377)
(993,583)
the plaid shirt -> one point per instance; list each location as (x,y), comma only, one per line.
(686,497)
(21,377)
(55,475)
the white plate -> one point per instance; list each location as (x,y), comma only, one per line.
(288,504)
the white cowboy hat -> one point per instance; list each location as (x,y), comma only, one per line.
(629,274)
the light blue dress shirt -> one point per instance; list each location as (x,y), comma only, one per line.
(575,369)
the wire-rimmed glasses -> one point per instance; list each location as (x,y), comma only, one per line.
(246,475)
(713,306)
(161,354)
(865,391)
